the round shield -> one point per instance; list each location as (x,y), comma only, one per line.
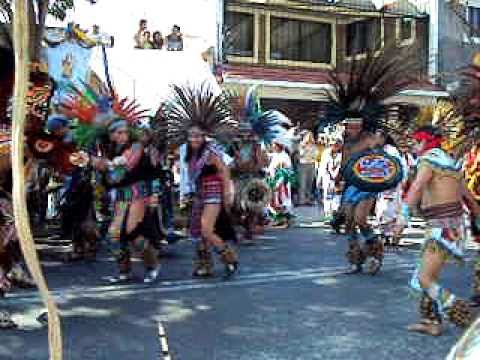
(373,171)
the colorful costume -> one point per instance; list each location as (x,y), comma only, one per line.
(360,101)
(258,129)
(281,178)
(126,172)
(445,235)
(202,183)
(472,178)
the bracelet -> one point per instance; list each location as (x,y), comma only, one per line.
(405,211)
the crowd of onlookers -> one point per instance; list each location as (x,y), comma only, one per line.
(145,39)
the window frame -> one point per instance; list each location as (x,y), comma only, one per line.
(363,55)
(413,32)
(256,33)
(293,63)
(468,7)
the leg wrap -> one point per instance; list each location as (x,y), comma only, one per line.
(203,265)
(375,250)
(428,310)
(230,259)
(455,310)
(460,314)
(355,255)
(119,250)
(228,255)
(476,277)
(123,260)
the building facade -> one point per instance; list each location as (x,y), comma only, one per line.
(454,38)
(287,47)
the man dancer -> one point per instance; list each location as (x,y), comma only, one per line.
(439,189)
(472,176)
(358,205)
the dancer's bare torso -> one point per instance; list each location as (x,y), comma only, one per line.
(441,189)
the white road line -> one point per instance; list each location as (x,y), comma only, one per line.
(162,338)
(177,286)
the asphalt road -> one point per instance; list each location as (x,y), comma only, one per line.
(290,300)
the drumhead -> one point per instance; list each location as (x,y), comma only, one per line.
(373,171)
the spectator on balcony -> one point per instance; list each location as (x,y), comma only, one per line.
(157,40)
(140,35)
(147,40)
(175,39)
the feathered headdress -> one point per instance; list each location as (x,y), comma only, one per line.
(467,103)
(267,125)
(445,120)
(189,107)
(98,111)
(362,93)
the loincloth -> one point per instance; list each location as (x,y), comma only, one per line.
(445,230)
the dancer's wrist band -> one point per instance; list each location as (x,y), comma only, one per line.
(405,211)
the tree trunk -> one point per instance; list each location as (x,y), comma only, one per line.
(22,223)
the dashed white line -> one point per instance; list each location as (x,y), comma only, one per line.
(163,340)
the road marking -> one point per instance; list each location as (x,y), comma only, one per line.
(162,338)
(188,285)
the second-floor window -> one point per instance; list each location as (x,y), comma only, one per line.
(239,34)
(406,29)
(299,40)
(473,15)
(363,36)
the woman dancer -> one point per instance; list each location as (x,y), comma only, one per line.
(192,114)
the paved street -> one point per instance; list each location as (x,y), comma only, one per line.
(290,300)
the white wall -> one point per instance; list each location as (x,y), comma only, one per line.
(146,74)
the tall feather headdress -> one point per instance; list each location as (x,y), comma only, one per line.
(467,102)
(444,116)
(190,106)
(370,82)
(267,125)
(96,110)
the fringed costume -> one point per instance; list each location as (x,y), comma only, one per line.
(359,102)
(192,115)
(12,272)
(467,135)
(445,237)
(106,122)
(258,129)
(440,190)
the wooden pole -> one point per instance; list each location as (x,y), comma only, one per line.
(22,71)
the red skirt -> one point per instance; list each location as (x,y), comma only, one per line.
(211,192)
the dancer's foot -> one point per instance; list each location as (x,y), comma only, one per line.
(426,327)
(43,318)
(20,277)
(6,321)
(373,265)
(202,272)
(230,260)
(151,275)
(354,269)
(121,278)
